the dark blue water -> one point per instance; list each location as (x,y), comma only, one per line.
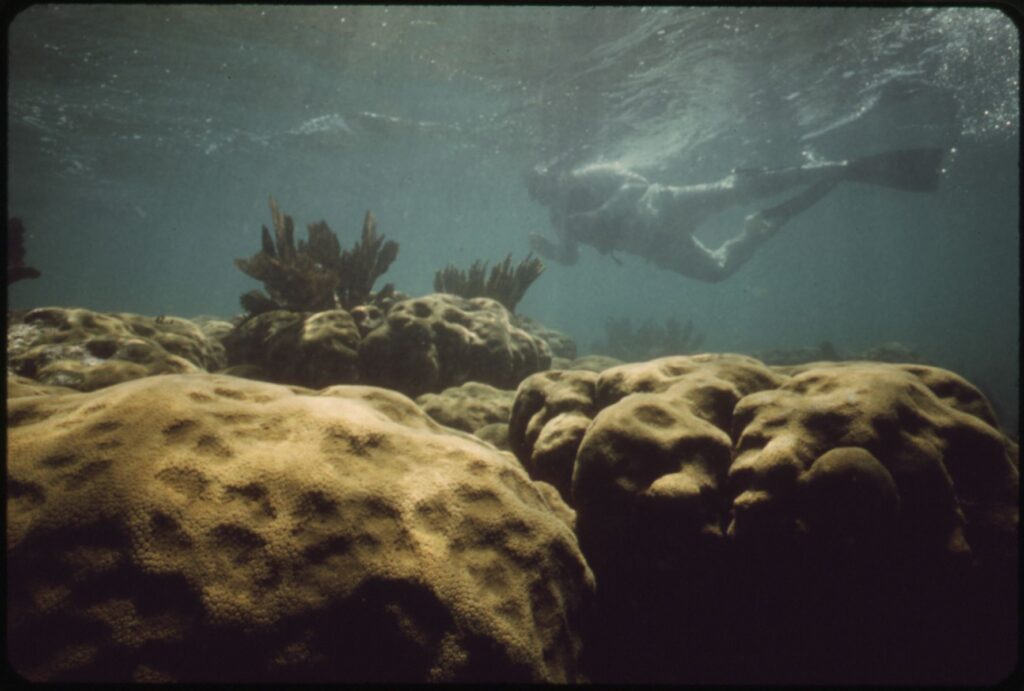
(145,140)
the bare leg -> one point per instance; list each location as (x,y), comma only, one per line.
(782,212)
(700,201)
(762,225)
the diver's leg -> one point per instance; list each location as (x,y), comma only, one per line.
(762,225)
(761,182)
(697,202)
(782,212)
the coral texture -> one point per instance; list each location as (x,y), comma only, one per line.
(496,434)
(431,343)
(658,450)
(87,350)
(469,407)
(803,523)
(922,430)
(205,527)
(312,350)
(550,413)
(18,386)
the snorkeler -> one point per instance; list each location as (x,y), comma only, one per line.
(612,208)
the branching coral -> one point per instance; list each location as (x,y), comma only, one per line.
(648,341)
(316,275)
(505,284)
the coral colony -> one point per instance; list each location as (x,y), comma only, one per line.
(505,284)
(316,275)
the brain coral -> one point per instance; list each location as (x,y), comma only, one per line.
(430,343)
(205,527)
(87,350)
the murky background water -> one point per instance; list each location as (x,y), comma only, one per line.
(144,142)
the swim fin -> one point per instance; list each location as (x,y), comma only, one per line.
(916,170)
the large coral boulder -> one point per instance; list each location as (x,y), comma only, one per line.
(953,473)
(755,525)
(879,503)
(437,341)
(206,527)
(87,350)
(313,350)
(550,414)
(657,454)
(553,410)
(711,383)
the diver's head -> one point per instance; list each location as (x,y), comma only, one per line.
(540,182)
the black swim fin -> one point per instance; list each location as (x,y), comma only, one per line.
(916,170)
